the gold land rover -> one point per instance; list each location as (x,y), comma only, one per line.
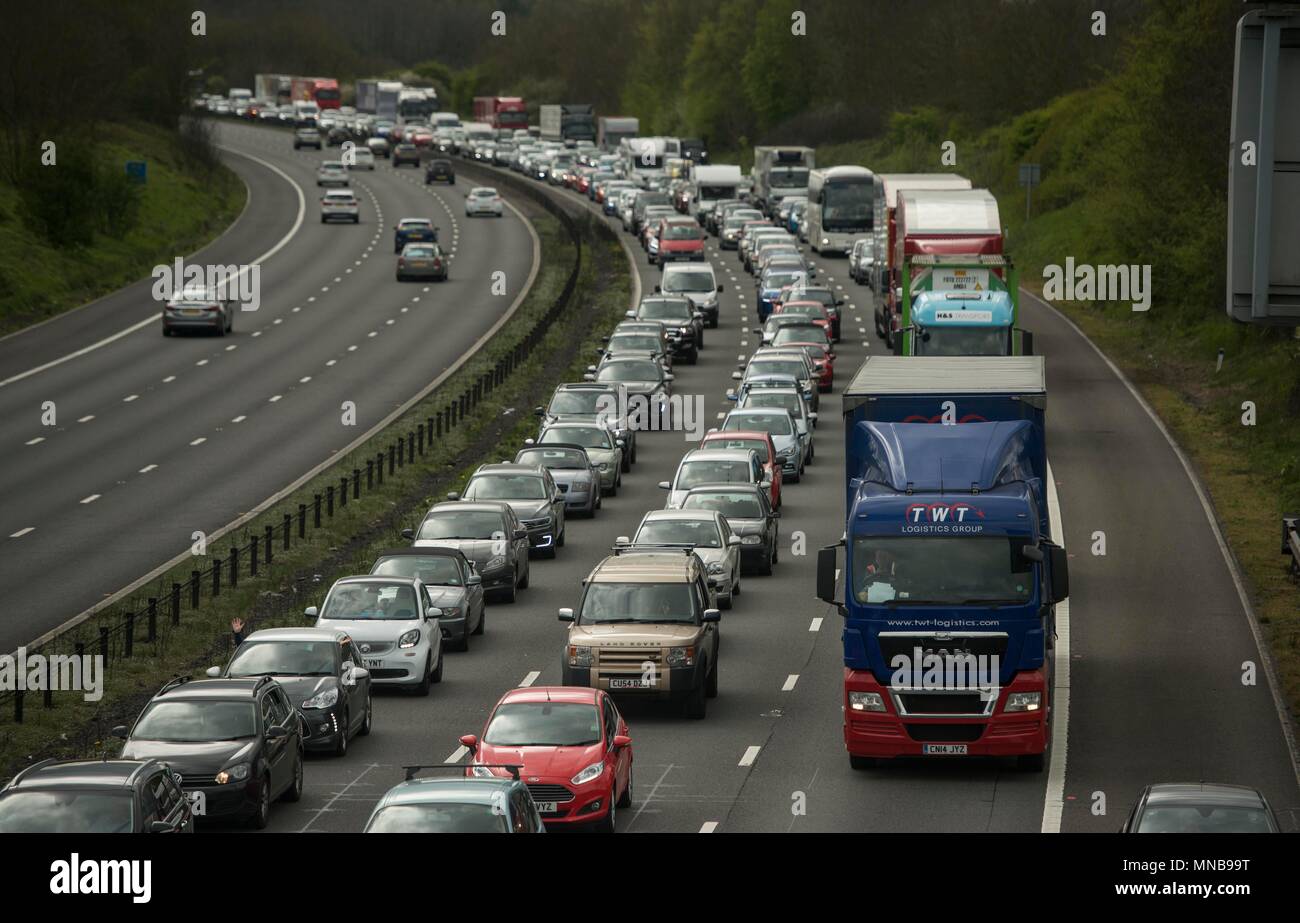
(647,625)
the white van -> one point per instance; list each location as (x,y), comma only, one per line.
(695,281)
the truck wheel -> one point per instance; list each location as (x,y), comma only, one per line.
(863,762)
(695,704)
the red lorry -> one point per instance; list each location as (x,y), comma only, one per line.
(501,111)
(323,91)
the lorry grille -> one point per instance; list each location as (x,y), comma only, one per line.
(979,644)
(630,657)
(940,703)
(945,733)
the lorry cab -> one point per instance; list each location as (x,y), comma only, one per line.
(962,324)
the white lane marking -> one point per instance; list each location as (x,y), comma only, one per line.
(35,441)
(722,415)
(150,321)
(751,754)
(87,418)
(278,320)
(202,362)
(130,397)
(352,349)
(311,298)
(91,499)
(170,378)
(373,333)
(295,311)
(653,790)
(239,419)
(21,532)
(709,826)
(331,362)
(199,441)
(457,755)
(789,682)
(275,398)
(1054,798)
(232,346)
(146,469)
(530,679)
(816,624)
(389,322)
(304,379)
(324,288)
(257,333)
(329,805)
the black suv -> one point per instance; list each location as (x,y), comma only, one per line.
(95,796)
(683,324)
(440,171)
(235,744)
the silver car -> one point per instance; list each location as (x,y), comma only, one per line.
(704,530)
(488,533)
(781,426)
(199,309)
(573,472)
(700,467)
(605,452)
(785,399)
(749,513)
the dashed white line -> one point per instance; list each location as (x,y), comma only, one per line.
(751,754)
(21,532)
(373,333)
(130,397)
(275,398)
(170,378)
(146,469)
(816,624)
(709,826)
(457,755)
(87,418)
(789,682)
(304,379)
(530,678)
(202,362)
(331,362)
(91,499)
(35,441)
(199,441)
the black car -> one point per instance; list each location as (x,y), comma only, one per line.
(322,673)
(95,796)
(683,324)
(1200,807)
(337,135)
(440,171)
(451,581)
(749,514)
(235,744)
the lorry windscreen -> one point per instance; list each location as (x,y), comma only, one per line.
(788,178)
(962,341)
(946,569)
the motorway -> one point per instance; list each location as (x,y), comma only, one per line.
(1157,631)
(1157,636)
(159,438)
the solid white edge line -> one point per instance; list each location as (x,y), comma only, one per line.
(302,207)
(1054,797)
(1270,672)
(334,456)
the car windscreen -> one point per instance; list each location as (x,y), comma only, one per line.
(778,424)
(371,602)
(690,280)
(453,817)
(589,437)
(67,811)
(798,333)
(785,400)
(435,569)
(555,459)
(1204,818)
(629,371)
(584,401)
(544,724)
(699,473)
(664,310)
(780,279)
(792,367)
(731,506)
(699,532)
(606,603)
(196,721)
(506,487)
(467,524)
(283,658)
(634,343)
(684,232)
(758,445)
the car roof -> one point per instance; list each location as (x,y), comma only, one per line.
(718,454)
(411,551)
(1200,792)
(458,790)
(597,385)
(473,506)
(581,694)
(694,515)
(375,578)
(415,221)
(761,435)
(80,773)
(506,468)
(222,688)
(299,634)
(742,487)
(647,567)
(550,446)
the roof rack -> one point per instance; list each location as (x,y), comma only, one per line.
(513,768)
(173,683)
(654,547)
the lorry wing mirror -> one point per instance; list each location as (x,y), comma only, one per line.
(1026,343)
(826,575)
(1032,553)
(1060,564)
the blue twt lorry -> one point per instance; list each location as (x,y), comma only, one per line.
(949,560)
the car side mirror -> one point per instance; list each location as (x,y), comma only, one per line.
(520,533)
(558,496)
(621,443)
(474,580)
(276,733)
(589,377)
(735,539)
(539,411)
(120,732)
(212,672)
(408,534)
(719,289)
(311,612)
(776,514)
(469,742)
(826,576)
(669,376)
(665,485)
(711,615)
(813,416)
(160,826)
(736,376)
(629,314)
(1060,565)
(566,614)
(622,741)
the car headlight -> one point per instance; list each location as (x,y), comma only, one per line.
(680,656)
(452,612)
(481,772)
(579,656)
(683,330)
(825,241)
(494,563)
(604,466)
(751,539)
(1023,701)
(866,701)
(715,568)
(236,773)
(409,639)
(326,699)
(591,772)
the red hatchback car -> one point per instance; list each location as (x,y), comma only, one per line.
(680,239)
(761,442)
(823,361)
(572,747)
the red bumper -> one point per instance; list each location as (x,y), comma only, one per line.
(888,734)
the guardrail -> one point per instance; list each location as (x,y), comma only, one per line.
(1291,542)
(141,626)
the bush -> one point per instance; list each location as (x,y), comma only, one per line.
(68,201)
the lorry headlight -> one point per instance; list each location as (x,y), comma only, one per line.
(866,701)
(825,241)
(1023,701)
(579,656)
(680,657)
(410,638)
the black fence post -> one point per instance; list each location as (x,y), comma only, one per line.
(410,447)
(392,460)
(128,638)
(379,464)
(234,566)
(302,520)
(329,501)
(356,483)
(216,577)
(401,449)
(370,474)
(153,620)
(343,491)
(176,603)
(419,429)
(438,430)
(270,541)
(252,558)
(288,524)
(316,512)
(195,578)
(103,643)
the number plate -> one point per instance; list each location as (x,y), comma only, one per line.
(547,807)
(944,749)
(629,683)
(373,664)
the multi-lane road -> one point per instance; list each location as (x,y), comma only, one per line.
(1150,667)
